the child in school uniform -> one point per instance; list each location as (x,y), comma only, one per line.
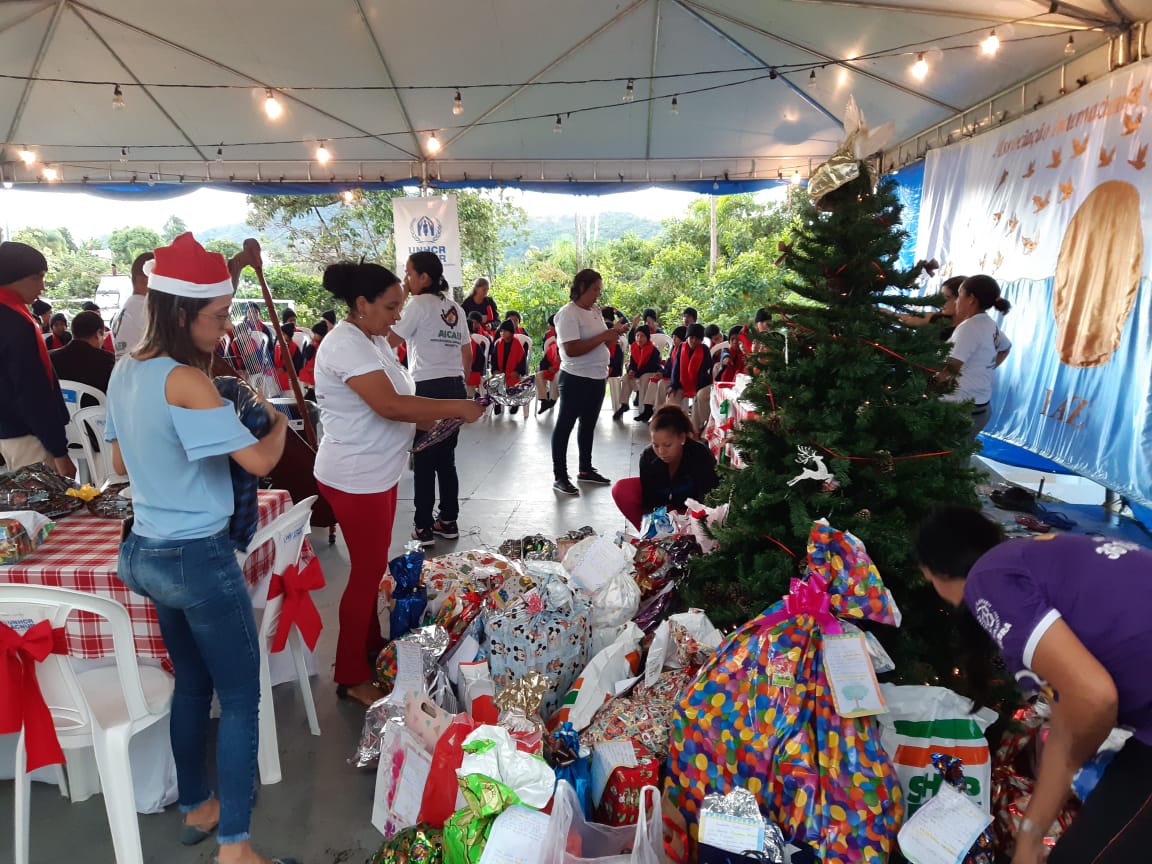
(510,359)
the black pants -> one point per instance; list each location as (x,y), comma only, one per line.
(1115,824)
(437,464)
(580,399)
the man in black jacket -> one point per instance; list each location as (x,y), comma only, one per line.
(83,359)
(32,412)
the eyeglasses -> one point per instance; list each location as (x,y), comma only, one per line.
(221,317)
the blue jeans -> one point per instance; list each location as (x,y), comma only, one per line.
(206,620)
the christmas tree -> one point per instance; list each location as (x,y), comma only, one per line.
(850,427)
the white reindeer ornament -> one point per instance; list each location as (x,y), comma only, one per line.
(807,456)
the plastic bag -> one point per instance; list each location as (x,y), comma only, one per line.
(598,682)
(922,721)
(571,839)
(614,604)
(490,750)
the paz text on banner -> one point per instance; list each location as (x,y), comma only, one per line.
(429,225)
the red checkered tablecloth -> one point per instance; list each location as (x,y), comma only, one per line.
(81,554)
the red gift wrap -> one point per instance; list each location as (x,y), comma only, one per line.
(621,802)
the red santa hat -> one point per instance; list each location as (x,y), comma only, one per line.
(187,269)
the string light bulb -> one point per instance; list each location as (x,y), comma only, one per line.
(630,90)
(348,195)
(50,174)
(991,44)
(123,154)
(117,97)
(220,153)
(674,109)
(457,104)
(559,127)
(322,154)
(1070,46)
(920,67)
(272,106)
(796,177)
(812,78)
(433,143)
(27,156)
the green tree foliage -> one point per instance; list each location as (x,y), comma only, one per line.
(73,274)
(855,389)
(227,248)
(173,228)
(56,241)
(127,243)
(302,290)
(319,229)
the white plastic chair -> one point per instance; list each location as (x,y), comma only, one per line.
(101,708)
(89,424)
(663,342)
(525,343)
(287,532)
(615,382)
(74,393)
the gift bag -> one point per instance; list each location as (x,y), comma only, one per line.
(572,840)
(620,802)
(760,715)
(922,721)
(543,630)
(409,596)
(619,662)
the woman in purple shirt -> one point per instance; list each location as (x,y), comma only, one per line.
(1072,613)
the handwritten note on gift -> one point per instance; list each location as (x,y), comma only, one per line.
(943,830)
(855,691)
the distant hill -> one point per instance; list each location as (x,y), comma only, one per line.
(543,231)
(237,233)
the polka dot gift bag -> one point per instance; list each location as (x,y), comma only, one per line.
(760,715)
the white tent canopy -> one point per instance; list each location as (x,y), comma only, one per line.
(778,120)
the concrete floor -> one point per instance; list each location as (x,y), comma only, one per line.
(320,812)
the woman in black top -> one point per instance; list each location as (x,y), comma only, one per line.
(674,468)
(479,301)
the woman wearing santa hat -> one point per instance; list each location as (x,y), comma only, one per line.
(173,435)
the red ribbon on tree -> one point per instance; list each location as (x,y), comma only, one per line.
(22,705)
(298,609)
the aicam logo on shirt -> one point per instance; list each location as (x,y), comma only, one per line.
(451,318)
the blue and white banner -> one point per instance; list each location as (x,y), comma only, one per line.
(1056,206)
(428,225)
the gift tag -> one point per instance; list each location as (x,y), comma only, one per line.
(409,671)
(783,671)
(598,561)
(606,758)
(851,677)
(400,783)
(943,830)
(517,837)
(732,833)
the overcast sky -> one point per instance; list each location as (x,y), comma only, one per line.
(89,216)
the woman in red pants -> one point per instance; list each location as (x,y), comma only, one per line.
(675,468)
(369,414)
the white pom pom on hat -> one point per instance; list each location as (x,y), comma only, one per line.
(187,269)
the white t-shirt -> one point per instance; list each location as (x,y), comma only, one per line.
(435,329)
(128,324)
(975,342)
(361,452)
(572,323)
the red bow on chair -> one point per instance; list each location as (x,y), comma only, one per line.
(298,608)
(22,705)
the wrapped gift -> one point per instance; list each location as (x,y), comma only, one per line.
(760,715)
(409,596)
(466,831)
(1014,779)
(20,533)
(457,585)
(421,844)
(951,771)
(620,802)
(644,715)
(544,629)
